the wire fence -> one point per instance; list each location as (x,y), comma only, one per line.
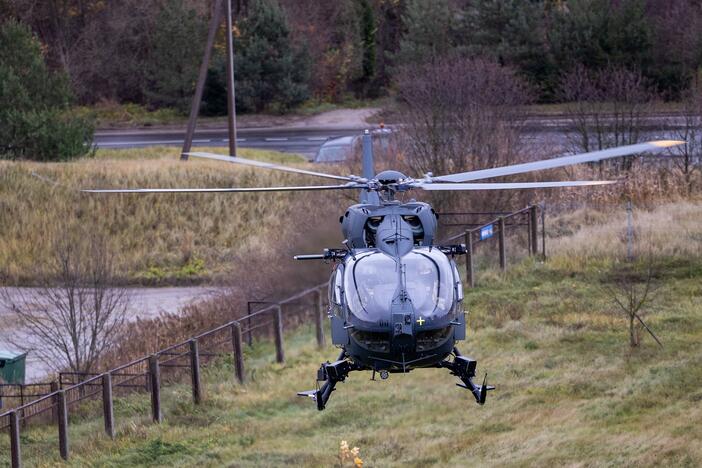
(53,402)
(522,225)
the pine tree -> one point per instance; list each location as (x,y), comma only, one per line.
(428,32)
(34,103)
(269,71)
(368,31)
(514,33)
(176,50)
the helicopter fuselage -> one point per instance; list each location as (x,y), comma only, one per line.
(395,299)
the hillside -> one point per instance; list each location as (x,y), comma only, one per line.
(570,391)
(158,239)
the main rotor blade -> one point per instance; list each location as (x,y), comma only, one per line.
(265,165)
(515,185)
(230,189)
(651,146)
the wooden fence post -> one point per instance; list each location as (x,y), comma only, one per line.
(195,371)
(503,250)
(533,230)
(238,352)
(278,330)
(15,450)
(63,424)
(107,407)
(53,388)
(543,230)
(155,381)
(470,278)
(319,318)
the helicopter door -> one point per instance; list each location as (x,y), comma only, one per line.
(457,282)
(340,335)
(459,329)
(336,292)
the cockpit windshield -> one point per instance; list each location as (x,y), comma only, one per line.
(373,280)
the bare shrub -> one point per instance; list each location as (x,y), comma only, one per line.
(632,289)
(688,127)
(606,108)
(461,114)
(75,314)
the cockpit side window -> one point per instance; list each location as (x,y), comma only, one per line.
(457,282)
(336,292)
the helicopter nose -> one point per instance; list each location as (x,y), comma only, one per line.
(402,324)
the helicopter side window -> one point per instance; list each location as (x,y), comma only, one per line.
(336,295)
(457,282)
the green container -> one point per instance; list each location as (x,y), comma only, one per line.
(12,366)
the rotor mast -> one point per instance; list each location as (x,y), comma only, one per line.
(368,196)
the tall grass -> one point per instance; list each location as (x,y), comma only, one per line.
(670,230)
(164,238)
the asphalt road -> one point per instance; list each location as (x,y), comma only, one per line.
(305,141)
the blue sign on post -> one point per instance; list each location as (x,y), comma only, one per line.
(486,232)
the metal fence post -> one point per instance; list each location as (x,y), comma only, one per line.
(238,352)
(155,380)
(319,318)
(503,250)
(63,424)
(195,371)
(107,407)
(278,330)
(533,231)
(470,278)
(15,450)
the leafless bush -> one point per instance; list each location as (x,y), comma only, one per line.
(461,114)
(688,127)
(632,290)
(75,313)
(606,108)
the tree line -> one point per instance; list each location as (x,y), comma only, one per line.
(148,51)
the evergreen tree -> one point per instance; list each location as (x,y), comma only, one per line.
(427,35)
(269,71)
(368,31)
(514,33)
(174,59)
(599,33)
(34,103)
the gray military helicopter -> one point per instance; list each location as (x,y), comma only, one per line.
(395,297)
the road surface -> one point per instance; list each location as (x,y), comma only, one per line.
(305,141)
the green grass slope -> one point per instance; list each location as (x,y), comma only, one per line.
(570,391)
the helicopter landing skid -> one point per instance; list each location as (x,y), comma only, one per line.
(330,373)
(464,368)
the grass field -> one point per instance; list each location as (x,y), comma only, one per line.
(159,239)
(570,391)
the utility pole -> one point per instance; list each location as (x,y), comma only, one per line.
(202,77)
(231,103)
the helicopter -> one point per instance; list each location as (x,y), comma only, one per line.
(395,297)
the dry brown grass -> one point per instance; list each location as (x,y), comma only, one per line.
(159,238)
(670,230)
